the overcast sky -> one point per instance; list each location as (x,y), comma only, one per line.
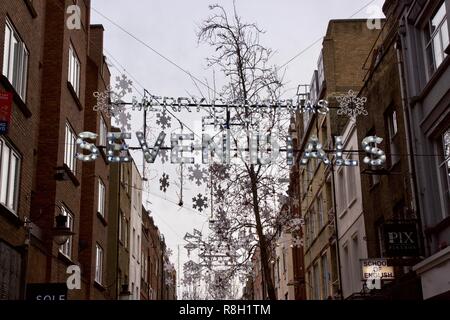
(170,26)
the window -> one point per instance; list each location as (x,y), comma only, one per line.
(74,71)
(15,60)
(341,196)
(138,247)
(133,243)
(313,225)
(392,131)
(446,164)
(351,183)
(316,286)
(325,283)
(320,72)
(9,176)
(319,208)
(437,39)
(355,257)
(70,148)
(101,198)
(98,264)
(66,248)
(277,273)
(127,233)
(307,227)
(103,132)
(121,227)
(347,265)
(310,286)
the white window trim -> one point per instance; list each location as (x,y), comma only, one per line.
(21,56)
(99,257)
(11,182)
(101,198)
(70,147)
(429,44)
(74,71)
(103,130)
(69,224)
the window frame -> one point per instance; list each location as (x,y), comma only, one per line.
(11,182)
(325,276)
(103,131)
(70,148)
(429,40)
(444,170)
(74,72)
(11,56)
(99,257)
(66,249)
(101,198)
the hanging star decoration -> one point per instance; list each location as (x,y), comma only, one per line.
(163,120)
(351,105)
(200,202)
(164,183)
(197,174)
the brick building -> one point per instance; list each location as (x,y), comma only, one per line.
(118,256)
(339,70)
(51,71)
(22,27)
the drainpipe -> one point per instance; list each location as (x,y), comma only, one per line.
(409,138)
(338,255)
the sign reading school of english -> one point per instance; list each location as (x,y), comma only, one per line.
(260,148)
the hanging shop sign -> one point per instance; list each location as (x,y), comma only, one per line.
(5,111)
(401,238)
(47,291)
(376,269)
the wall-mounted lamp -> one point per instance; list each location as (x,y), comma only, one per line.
(61,232)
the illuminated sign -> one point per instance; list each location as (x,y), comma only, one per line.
(377,269)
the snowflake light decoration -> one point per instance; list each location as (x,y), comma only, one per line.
(164,183)
(296,224)
(351,106)
(297,242)
(123,85)
(200,202)
(198,175)
(163,120)
(122,119)
(103,100)
(110,102)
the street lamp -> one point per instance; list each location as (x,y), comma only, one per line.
(61,232)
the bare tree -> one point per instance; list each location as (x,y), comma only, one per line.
(248,192)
